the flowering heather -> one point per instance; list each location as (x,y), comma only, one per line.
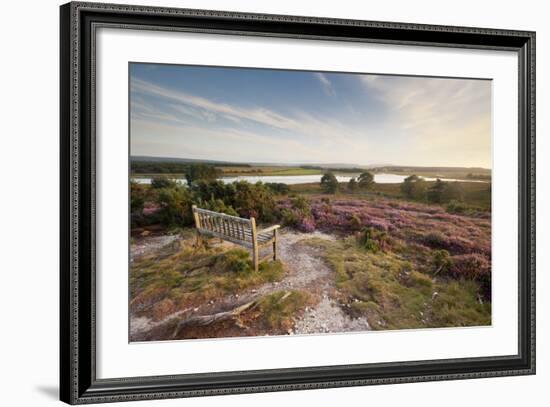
(307,225)
(414,224)
(473,265)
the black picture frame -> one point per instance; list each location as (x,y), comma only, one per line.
(78,382)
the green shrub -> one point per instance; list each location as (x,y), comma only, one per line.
(441,261)
(218,205)
(373,240)
(207,190)
(235,261)
(278,187)
(414,187)
(289,217)
(352,185)
(138,195)
(455,206)
(329,183)
(175,206)
(162,181)
(355,222)
(201,172)
(365,180)
(254,200)
(301,203)
(435,240)
(436,191)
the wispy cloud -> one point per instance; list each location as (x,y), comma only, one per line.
(326,83)
(260,115)
(301,124)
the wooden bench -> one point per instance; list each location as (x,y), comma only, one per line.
(237,230)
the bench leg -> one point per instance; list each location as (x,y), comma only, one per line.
(198,241)
(275,245)
(255,258)
(254,243)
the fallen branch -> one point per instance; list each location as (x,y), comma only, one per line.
(204,320)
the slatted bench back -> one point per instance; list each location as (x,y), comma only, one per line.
(231,228)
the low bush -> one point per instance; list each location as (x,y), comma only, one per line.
(254,200)
(373,240)
(457,207)
(175,206)
(289,217)
(162,181)
(216,189)
(218,205)
(471,266)
(441,261)
(278,187)
(235,261)
(436,240)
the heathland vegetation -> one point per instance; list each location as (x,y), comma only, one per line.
(414,254)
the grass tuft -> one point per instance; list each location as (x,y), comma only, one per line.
(279,309)
(192,275)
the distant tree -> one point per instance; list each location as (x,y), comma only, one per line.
(352,185)
(329,183)
(366,180)
(414,187)
(162,181)
(201,172)
(278,187)
(436,192)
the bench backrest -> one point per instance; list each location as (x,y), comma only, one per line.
(232,228)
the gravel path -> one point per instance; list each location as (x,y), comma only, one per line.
(308,270)
(305,271)
(327,316)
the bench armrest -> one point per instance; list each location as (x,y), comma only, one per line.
(269,229)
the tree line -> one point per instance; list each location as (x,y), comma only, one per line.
(413,187)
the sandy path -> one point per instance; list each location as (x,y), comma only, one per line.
(305,271)
(308,270)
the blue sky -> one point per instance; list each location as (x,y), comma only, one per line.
(278,116)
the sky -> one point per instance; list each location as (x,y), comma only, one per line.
(289,117)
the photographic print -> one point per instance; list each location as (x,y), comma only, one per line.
(285,202)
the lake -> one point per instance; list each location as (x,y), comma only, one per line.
(379,178)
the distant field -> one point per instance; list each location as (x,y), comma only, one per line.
(249,171)
(267,170)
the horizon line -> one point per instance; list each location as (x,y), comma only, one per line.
(305,163)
